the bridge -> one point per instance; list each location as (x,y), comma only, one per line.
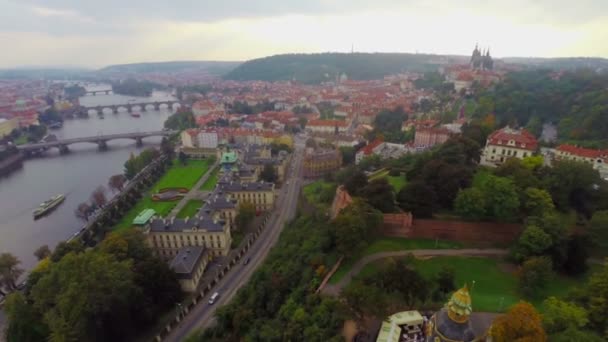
(100,140)
(99,91)
(130,106)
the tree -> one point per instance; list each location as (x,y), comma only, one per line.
(380,194)
(42,252)
(268,174)
(9,271)
(445,283)
(598,229)
(501,196)
(537,202)
(183,158)
(82,211)
(573,334)
(470,203)
(63,248)
(559,315)
(99,196)
(84,295)
(417,198)
(521,323)
(117,182)
(167,147)
(181,120)
(355,183)
(245,215)
(24,323)
(596,299)
(534,275)
(348,155)
(364,301)
(534,241)
(354,225)
(576,255)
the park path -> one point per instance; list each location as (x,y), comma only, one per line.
(334,290)
(194,193)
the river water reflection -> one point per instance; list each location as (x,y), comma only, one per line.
(75,174)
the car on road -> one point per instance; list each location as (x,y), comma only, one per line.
(213,298)
(247,261)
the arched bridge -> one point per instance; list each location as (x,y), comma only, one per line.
(99,91)
(130,106)
(100,140)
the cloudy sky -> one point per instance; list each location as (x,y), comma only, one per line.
(94,33)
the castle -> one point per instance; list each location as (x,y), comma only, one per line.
(481,60)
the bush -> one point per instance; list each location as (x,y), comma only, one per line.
(535,274)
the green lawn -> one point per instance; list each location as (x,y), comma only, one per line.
(389,244)
(190,209)
(314,193)
(210,183)
(378,174)
(397,182)
(21,140)
(495,289)
(182,176)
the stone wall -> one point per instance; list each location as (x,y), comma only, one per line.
(402,225)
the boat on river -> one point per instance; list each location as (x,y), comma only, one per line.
(48,206)
(135,115)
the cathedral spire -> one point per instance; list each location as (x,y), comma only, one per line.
(459,306)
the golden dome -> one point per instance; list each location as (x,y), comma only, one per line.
(459,306)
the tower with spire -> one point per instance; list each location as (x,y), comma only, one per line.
(481,60)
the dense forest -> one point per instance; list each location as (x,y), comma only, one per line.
(316,68)
(575,101)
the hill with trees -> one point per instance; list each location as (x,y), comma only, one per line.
(575,101)
(316,68)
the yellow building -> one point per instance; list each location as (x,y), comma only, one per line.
(168,236)
(7,126)
(189,265)
(260,194)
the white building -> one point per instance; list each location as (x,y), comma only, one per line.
(508,143)
(207,139)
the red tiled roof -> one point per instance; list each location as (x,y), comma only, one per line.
(331,123)
(581,152)
(369,148)
(522,138)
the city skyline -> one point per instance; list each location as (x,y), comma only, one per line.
(71,33)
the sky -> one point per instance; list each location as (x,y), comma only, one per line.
(96,33)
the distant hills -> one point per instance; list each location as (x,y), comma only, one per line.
(213,67)
(315,68)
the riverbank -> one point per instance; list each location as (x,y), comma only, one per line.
(11,163)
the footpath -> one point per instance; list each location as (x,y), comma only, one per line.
(194,193)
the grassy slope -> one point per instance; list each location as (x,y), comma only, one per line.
(389,244)
(313,190)
(190,209)
(495,289)
(210,183)
(177,176)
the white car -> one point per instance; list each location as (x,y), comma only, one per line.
(213,298)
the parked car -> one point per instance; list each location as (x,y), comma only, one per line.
(247,261)
(213,298)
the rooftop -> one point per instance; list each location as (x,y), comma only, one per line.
(144,216)
(186,260)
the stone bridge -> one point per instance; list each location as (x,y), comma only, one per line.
(101,91)
(131,106)
(100,140)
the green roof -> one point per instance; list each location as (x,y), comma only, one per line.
(144,216)
(228,157)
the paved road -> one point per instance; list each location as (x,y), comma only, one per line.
(194,193)
(335,289)
(202,315)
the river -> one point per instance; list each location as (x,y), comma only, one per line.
(75,174)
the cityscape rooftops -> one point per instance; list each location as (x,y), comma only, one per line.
(581,152)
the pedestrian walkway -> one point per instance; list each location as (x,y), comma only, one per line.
(194,193)
(334,290)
